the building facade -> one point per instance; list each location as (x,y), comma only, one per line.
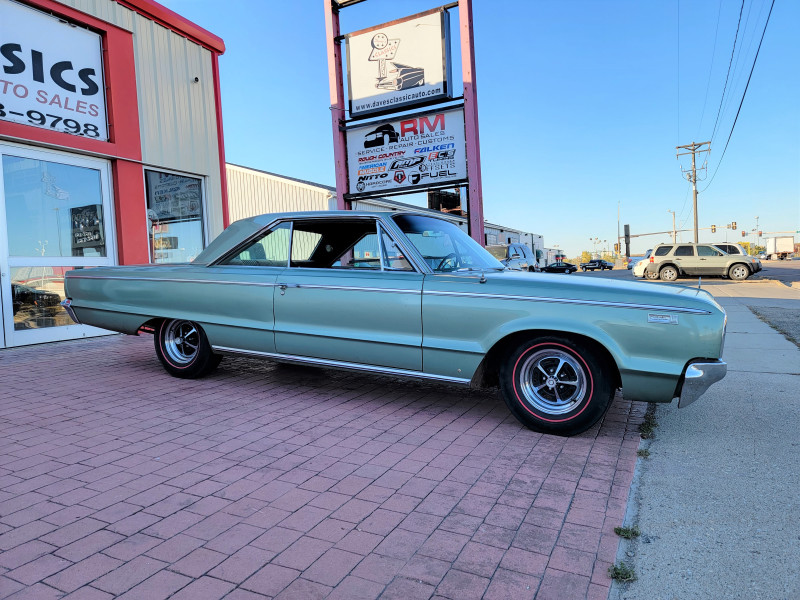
(111,149)
(253,192)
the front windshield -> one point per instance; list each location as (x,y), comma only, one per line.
(444,246)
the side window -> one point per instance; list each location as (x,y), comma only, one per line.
(663,250)
(684,251)
(336,244)
(393,258)
(708,251)
(270,250)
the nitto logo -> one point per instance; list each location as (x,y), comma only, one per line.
(399,176)
(407,163)
(373,177)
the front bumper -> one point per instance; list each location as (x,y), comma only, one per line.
(697,378)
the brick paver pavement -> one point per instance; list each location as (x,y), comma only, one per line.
(262,480)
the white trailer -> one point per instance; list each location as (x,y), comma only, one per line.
(779,248)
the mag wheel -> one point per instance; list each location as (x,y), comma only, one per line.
(668,273)
(739,272)
(552,385)
(183,349)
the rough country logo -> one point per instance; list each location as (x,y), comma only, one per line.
(400,77)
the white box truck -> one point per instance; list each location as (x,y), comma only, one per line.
(779,248)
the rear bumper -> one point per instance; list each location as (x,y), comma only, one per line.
(67,305)
(697,378)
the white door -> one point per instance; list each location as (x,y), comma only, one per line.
(56,214)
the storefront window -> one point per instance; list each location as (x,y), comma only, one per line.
(52,209)
(175,217)
(36,295)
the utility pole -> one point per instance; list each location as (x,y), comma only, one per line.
(692,175)
(674,233)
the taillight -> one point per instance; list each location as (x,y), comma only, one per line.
(651,259)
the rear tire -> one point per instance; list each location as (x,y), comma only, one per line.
(553,385)
(183,349)
(668,273)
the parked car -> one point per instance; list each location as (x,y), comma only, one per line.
(638,268)
(738,249)
(515,257)
(560,267)
(595,264)
(632,262)
(404,294)
(670,261)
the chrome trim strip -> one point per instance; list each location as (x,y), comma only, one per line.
(347,288)
(160,279)
(677,309)
(343,365)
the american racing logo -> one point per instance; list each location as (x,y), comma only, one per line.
(407,163)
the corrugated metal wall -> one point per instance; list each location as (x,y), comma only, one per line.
(177,116)
(252,192)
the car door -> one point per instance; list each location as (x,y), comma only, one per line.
(685,259)
(349,296)
(711,261)
(241,297)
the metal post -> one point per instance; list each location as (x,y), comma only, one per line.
(337,101)
(674,233)
(694,194)
(475,189)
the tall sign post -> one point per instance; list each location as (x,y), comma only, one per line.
(401,130)
(475,189)
(337,100)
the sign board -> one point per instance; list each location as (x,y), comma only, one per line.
(399,64)
(173,197)
(87,226)
(403,154)
(51,73)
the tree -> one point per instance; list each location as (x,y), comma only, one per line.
(585,256)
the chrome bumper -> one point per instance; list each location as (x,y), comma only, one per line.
(67,305)
(697,378)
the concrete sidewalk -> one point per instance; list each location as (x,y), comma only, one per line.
(717,501)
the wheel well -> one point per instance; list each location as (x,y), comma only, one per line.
(150,326)
(745,265)
(669,264)
(487,372)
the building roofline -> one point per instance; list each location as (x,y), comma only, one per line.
(172,20)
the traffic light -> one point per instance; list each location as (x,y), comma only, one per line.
(713,229)
(616,247)
(744,233)
(733,225)
(759,234)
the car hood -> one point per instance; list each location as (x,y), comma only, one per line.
(576,289)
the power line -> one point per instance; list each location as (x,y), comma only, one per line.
(730,62)
(710,69)
(743,96)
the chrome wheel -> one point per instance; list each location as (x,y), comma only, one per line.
(181,341)
(552,381)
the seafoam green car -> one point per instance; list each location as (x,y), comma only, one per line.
(407,294)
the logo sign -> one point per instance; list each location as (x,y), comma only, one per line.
(87,226)
(51,73)
(399,64)
(419,151)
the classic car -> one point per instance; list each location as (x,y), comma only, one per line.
(560,267)
(402,77)
(407,294)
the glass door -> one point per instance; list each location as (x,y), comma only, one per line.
(55,216)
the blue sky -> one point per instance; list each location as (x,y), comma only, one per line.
(581,104)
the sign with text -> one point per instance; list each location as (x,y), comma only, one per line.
(399,64)
(87,226)
(51,73)
(413,152)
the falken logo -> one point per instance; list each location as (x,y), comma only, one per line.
(407,163)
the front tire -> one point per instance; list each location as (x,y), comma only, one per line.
(651,275)
(183,349)
(668,273)
(553,385)
(739,272)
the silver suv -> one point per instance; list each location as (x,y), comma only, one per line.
(670,261)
